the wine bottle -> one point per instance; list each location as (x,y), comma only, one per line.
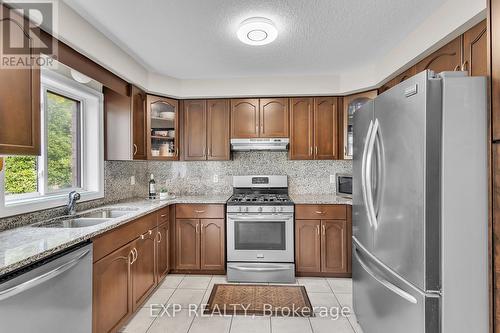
(152,187)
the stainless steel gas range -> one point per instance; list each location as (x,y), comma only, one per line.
(260,230)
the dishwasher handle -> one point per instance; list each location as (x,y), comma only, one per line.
(12,291)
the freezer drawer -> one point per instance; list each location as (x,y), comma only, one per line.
(385,303)
(54,296)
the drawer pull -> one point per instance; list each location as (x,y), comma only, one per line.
(159,237)
(199,211)
(319,212)
(163,215)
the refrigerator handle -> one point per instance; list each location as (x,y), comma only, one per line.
(380,172)
(368,175)
(363,171)
(398,291)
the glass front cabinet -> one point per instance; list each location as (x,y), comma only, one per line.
(163,125)
(351,104)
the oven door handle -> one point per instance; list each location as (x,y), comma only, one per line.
(259,269)
(261,217)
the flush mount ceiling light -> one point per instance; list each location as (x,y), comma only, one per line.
(257,31)
(79,77)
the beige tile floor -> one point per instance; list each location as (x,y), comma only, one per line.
(195,289)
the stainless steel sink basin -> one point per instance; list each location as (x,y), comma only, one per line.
(77,222)
(84,220)
(107,213)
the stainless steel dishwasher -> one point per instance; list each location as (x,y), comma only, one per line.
(51,296)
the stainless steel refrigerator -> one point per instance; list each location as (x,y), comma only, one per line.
(420,207)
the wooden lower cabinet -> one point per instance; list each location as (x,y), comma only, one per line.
(112,292)
(212,244)
(323,246)
(308,246)
(129,263)
(143,268)
(163,250)
(334,246)
(187,249)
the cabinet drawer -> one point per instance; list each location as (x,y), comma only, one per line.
(320,212)
(199,211)
(116,238)
(163,215)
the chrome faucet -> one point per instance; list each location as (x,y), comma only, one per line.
(72,199)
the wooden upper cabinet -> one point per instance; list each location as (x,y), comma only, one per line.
(325,128)
(162,128)
(187,249)
(334,243)
(274,118)
(112,292)
(195,130)
(308,245)
(350,105)
(218,130)
(447,58)
(19,96)
(301,129)
(138,100)
(244,118)
(475,50)
(212,244)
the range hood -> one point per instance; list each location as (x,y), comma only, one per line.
(259,144)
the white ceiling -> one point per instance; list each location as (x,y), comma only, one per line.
(190,39)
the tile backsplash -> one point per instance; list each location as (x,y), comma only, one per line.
(191,177)
(197,177)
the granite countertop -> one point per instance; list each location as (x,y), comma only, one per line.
(319,199)
(25,245)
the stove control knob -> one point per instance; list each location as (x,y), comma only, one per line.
(260,209)
(246,209)
(274,209)
(280,209)
(239,209)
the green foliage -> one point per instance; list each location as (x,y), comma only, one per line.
(21,171)
(61,110)
(20,174)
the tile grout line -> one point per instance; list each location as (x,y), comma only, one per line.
(351,308)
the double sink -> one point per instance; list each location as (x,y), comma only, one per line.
(84,220)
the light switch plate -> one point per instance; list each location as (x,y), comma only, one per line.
(132,180)
(216,178)
(332,179)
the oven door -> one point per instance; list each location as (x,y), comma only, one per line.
(260,237)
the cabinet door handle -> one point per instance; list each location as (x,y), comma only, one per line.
(457,68)
(261,128)
(465,66)
(316,150)
(163,215)
(176,152)
(310,151)
(142,237)
(317,229)
(324,230)
(209,152)
(159,237)
(150,232)
(257,129)
(197,228)
(134,255)
(135,149)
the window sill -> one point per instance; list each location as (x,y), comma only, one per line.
(30,205)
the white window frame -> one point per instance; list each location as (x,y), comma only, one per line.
(92,150)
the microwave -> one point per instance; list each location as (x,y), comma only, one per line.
(344,185)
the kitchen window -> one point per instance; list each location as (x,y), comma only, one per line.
(72,151)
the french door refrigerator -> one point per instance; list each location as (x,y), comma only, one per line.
(420,207)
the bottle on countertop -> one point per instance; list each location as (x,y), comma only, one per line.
(152,187)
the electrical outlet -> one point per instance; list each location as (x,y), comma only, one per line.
(132,180)
(216,178)
(332,179)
